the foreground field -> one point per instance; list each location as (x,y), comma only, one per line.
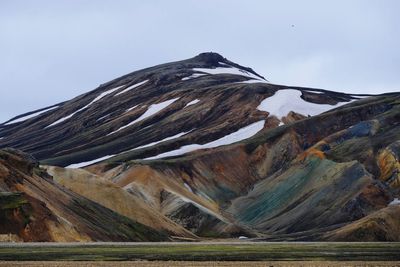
(242,251)
(199,264)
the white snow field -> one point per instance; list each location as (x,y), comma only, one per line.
(395,201)
(100,96)
(284,101)
(253,81)
(129,109)
(153,109)
(188,187)
(66,117)
(160,141)
(228,70)
(192,102)
(131,87)
(241,134)
(87,163)
(24,118)
(193,76)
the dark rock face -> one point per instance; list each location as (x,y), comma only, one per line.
(322,166)
(16,211)
(193,219)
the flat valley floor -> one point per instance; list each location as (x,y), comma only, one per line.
(201,254)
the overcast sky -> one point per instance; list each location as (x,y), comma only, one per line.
(51,51)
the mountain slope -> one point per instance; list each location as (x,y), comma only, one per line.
(213,146)
(34,208)
(291,180)
(115,198)
(175,107)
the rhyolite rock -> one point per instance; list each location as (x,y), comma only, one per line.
(279,163)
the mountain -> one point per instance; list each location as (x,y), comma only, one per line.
(160,109)
(205,147)
(35,208)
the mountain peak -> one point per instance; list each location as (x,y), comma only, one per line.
(210,58)
(201,146)
(214,59)
(159,106)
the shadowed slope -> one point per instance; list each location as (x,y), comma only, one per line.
(37,209)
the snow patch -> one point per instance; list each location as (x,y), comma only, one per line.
(234,137)
(252,81)
(284,101)
(163,140)
(192,102)
(153,109)
(102,117)
(188,187)
(132,87)
(193,76)
(87,163)
(129,109)
(315,92)
(395,201)
(228,70)
(85,107)
(30,116)
(105,94)
(66,117)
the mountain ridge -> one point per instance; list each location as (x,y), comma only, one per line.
(149,85)
(214,150)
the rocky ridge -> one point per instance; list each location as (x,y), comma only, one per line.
(207,148)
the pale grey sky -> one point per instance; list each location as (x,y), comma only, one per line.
(51,51)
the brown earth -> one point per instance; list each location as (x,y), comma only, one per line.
(35,208)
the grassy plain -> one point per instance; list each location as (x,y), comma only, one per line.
(201,264)
(201,251)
